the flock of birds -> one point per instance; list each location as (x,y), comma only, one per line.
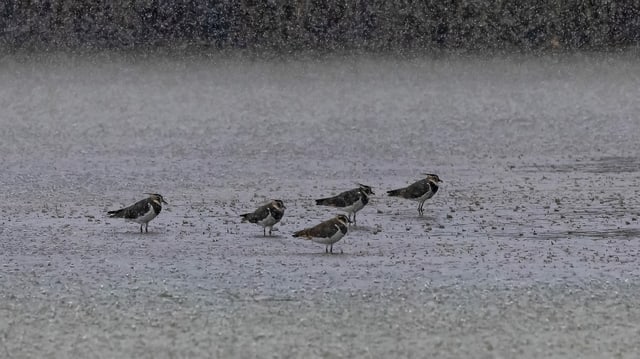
(266,216)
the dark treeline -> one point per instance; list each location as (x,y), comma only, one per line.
(328,24)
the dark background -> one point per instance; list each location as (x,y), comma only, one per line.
(286,25)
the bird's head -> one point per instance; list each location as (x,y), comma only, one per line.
(366,189)
(343,219)
(278,204)
(433,177)
(156,197)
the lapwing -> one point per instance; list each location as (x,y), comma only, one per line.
(266,216)
(349,201)
(327,232)
(142,211)
(419,191)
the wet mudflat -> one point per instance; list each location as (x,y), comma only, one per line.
(530,249)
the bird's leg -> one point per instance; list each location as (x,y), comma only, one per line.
(140,227)
(326,249)
(331,248)
(270,230)
(146,228)
(264,231)
(354,219)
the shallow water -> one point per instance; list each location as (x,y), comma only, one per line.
(538,207)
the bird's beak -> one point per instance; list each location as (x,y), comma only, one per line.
(165,202)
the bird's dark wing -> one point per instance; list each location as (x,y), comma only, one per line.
(136,210)
(259,214)
(343,199)
(417,189)
(351,197)
(323,230)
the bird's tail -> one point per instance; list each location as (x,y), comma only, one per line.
(119,213)
(303,233)
(395,192)
(324,202)
(245,217)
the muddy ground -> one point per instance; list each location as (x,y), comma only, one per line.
(529,250)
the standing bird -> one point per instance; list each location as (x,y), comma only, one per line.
(349,201)
(419,191)
(327,232)
(266,215)
(142,211)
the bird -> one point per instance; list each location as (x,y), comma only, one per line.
(327,232)
(142,211)
(419,191)
(266,215)
(349,201)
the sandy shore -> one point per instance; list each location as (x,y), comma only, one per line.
(529,250)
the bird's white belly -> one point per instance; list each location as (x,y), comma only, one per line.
(151,214)
(355,207)
(329,240)
(424,197)
(268,221)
